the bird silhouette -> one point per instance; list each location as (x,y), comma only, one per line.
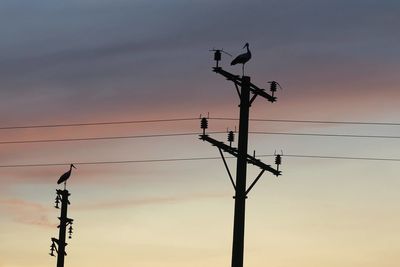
(242,58)
(65,176)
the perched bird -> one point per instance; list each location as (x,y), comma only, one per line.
(242,58)
(65,176)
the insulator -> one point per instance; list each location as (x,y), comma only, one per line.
(278,160)
(204,123)
(231,137)
(70,232)
(217,55)
(274,86)
(57,202)
(52,247)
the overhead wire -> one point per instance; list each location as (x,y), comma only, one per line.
(192,119)
(314,121)
(95,123)
(342,157)
(192,159)
(190,134)
(98,138)
(328,135)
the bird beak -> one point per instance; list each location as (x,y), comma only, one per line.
(245,45)
(73,166)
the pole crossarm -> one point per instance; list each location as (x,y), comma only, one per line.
(233,151)
(62,193)
(237,80)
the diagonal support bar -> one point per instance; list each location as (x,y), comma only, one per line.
(255,181)
(227,168)
(253,98)
(237,89)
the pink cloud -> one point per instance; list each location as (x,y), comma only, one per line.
(144,201)
(25,212)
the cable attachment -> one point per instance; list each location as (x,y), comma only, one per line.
(274,87)
(278,160)
(204,125)
(57,201)
(217,55)
(52,248)
(231,137)
(70,231)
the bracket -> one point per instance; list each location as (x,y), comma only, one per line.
(227,168)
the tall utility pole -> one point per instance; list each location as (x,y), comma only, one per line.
(59,244)
(247,92)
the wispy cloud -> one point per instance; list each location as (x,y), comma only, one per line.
(25,212)
(145,201)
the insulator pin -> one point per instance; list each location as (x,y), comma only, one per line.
(278,160)
(274,86)
(217,55)
(204,125)
(70,231)
(57,202)
(231,137)
(52,248)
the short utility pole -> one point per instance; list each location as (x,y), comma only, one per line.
(58,245)
(247,92)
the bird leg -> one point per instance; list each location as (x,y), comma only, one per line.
(242,69)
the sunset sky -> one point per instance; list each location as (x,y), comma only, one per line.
(83,61)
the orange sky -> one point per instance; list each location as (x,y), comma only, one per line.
(94,61)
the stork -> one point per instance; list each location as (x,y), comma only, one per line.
(242,58)
(65,176)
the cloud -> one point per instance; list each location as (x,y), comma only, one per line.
(144,201)
(25,212)
(140,58)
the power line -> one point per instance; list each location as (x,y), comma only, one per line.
(96,138)
(329,135)
(108,162)
(190,134)
(314,121)
(193,159)
(342,157)
(192,119)
(95,123)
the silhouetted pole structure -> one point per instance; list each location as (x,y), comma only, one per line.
(59,244)
(247,94)
(241,171)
